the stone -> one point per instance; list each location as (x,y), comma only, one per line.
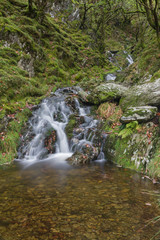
(87,154)
(49,141)
(142,95)
(106,92)
(140,114)
(78,159)
(83,95)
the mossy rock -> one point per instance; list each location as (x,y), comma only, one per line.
(140,114)
(72,123)
(142,95)
(106,92)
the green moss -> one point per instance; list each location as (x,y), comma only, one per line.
(61,57)
(155,76)
(9,143)
(153,167)
(117,150)
(123,157)
(128,130)
(114,45)
(70,126)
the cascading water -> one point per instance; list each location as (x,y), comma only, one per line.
(129,58)
(53,115)
(112,58)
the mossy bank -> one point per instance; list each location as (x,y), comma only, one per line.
(37,57)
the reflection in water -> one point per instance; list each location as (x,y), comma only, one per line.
(97,201)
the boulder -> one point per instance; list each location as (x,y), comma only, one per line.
(78,159)
(142,95)
(106,92)
(87,154)
(140,114)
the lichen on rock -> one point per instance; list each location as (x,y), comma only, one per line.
(140,114)
(142,95)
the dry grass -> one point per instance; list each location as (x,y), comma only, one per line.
(109,111)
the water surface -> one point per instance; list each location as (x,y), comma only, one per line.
(96,201)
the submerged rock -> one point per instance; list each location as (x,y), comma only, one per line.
(140,114)
(142,95)
(106,92)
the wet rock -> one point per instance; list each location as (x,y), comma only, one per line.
(106,92)
(140,114)
(78,159)
(72,123)
(91,151)
(70,101)
(50,141)
(79,130)
(142,95)
(83,95)
(88,153)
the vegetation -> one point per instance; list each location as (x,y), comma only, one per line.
(42,49)
(35,59)
(46,44)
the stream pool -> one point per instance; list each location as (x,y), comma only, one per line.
(97,201)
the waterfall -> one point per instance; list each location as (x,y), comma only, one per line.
(53,115)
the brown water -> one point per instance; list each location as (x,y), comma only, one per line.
(98,201)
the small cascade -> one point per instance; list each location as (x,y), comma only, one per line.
(112,57)
(129,58)
(53,115)
(110,77)
(82,112)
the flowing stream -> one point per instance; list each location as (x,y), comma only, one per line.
(54,114)
(43,196)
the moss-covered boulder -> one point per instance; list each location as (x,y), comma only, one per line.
(140,114)
(142,95)
(106,92)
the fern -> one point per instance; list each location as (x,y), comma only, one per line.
(128,130)
(125,133)
(132,125)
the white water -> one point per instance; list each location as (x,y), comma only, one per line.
(50,115)
(53,114)
(110,77)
